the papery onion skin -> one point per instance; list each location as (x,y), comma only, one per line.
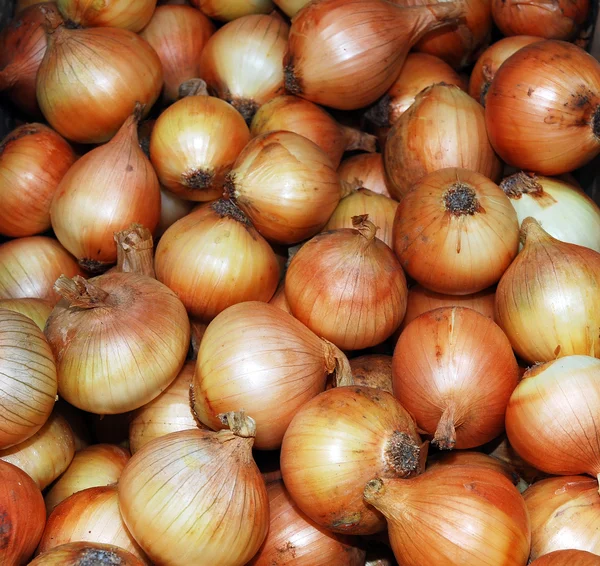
(365,170)
(469,458)
(543,108)
(336,440)
(568,386)
(22,515)
(76,62)
(127,14)
(227,10)
(37,310)
(568,558)
(83,553)
(278,300)
(456,233)
(373,370)
(460,139)
(194,144)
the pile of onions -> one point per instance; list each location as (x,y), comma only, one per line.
(568,387)
(546,301)
(284,159)
(456,232)
(37,310)
(335,443)
(236,263)
(545,118)
(22,515)
(211,507)
(555,204)
(227,10)
(319,65)
(28,378)
(178,34)
(456,390)
(33,160)
(115,14)
(347,286)
(466,515)
(194,144)
(257,356)
(82,553)
(450,127)
(365,170)
(568,558)
(564,514)
(372,370)
(119,340)
(90,80)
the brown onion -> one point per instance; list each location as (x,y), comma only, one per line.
(568,558)
(127,14)
(37,310)
(86,553)
(291,7)
(227,10)
(365,170)
(469,458)
(372,370)
(278,300)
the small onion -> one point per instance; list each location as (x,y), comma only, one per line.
(568,558)
(227,10)
(86,554)
(365,170)
(37,310)
(372,370)
(127,14)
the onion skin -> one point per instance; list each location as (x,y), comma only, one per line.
(37,310)
(365,170)
(82,553)
(22,515)
(227,10)
(469,458)
(290,7)
(127,14)
(372,370)
(501,449)
(564,446)
(543,120)
(278,300)
(568,558)
(172,208)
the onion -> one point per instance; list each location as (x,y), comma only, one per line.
(77,421)
(37,310)
(372,370)
(559,19)
(365,170)
(291,7)
(256,356)
(455,389)
(466,515)
(211,507)
(178,34)
(456,232)
(451,128)
(194,144)
(295,540)
(278,300)
(338,439)
(236,263)
(545,118)
(564,514)
(127,14)
(468,458)
(346,54)
(555,204)
(169,412)
(297,115)
(286,185)
(90,80)
(84,553)
(28,379)
(568,558)
(22,515)
(241,62)
(380,209)
(95,466)
(545,301)
(119,340)
(172,208)
(355,295)
(90,515)
(227,10)
(22,47)
(501,449)
(490,60)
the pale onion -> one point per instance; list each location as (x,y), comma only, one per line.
(172,208)
(296,540)
(37,310)
(545,117)
(490,60)
(365,170)
(86,553)
(450,127)
(119,340)
(78,422)
(211,507)
(105,191)
(277,300)
(563,210)
(469,458)
(241,62)
(372,370)
(178,34)
(456,232)
(30,266)
(236,264)
(257,357)
(466,515)
(347,53)
(297,115)
(286,185)
(380,209)
(291,7)
(90,80)
(546,301)
(569,387)
(456,390)
(193,145)
(568,558)
(169,412)
(22,515)
(45,455)
(564,514)
(338,439)
(227,10)
(90,515)
(28,378)
(347,286)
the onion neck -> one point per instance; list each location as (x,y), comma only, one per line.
(431,17)
(365,227)
(337,363)
(245,106)
(379,113)
(445,433)
(193,87)
(532,232)
(81,293)
(54,24)
(403,456)
(519,184)
(128,132)
(226,208)
(239,423)
(355,139)
(291,81)
(135,251)
(229,191)
(461,200)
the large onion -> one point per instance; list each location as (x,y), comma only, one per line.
(127,14)
(568,558)
(37,310)
(86,553)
